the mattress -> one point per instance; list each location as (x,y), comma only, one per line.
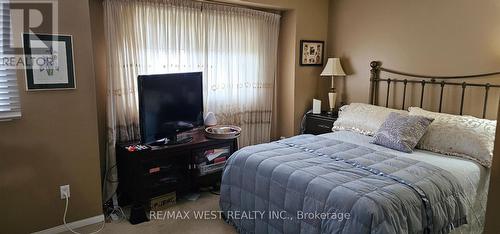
(473,177)
(385,191)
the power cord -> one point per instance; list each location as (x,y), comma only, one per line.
(116,214)
(66,225)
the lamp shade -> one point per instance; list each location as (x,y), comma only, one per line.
(333,68)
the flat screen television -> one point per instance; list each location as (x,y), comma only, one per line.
(168,99)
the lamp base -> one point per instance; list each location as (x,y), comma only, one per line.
(332,98)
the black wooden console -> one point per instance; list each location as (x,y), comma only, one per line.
(181,168)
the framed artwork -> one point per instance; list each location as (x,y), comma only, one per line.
(311,53)
(49,62)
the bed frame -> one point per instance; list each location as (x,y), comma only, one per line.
(424,81)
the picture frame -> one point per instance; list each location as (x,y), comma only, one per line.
(311,53)
(49,63)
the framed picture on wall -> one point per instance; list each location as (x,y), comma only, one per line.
(49,62)
(311,53)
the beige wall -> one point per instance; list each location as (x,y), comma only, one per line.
(283,121)
(313,25)
(54,143)
(99,58)
(446,37)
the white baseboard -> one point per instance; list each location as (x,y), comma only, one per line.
(73,225)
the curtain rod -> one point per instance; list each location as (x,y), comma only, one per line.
(268,10)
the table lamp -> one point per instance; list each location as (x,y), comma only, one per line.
(332,68)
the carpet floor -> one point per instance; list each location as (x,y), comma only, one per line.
(206,202)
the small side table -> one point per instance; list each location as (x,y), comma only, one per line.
(319,123)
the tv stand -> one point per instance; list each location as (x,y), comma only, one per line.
(180,168)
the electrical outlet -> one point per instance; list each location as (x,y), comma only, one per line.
(65,190)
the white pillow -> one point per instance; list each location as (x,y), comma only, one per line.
(464,136)
(363,118)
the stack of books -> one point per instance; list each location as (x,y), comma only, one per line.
(213,160)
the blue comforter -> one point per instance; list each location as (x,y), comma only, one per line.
(311,184)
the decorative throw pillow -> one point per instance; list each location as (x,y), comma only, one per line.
(401,132)
(363,118)
(464,136)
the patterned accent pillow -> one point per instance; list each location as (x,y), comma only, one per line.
(401,132)
(362,118)
(463,136)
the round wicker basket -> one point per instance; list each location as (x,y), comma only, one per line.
(223,132)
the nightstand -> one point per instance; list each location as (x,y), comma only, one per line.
(319,123)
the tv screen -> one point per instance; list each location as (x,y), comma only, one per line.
(169,98)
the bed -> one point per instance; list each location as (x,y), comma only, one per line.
(473,178)
(339,182)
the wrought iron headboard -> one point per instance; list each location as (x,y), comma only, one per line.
(423,80)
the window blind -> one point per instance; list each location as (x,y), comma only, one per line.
(10,107)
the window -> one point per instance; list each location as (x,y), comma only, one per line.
(10,107)
(235,48)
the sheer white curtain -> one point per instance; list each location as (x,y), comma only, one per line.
(241,57)
(235,49)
